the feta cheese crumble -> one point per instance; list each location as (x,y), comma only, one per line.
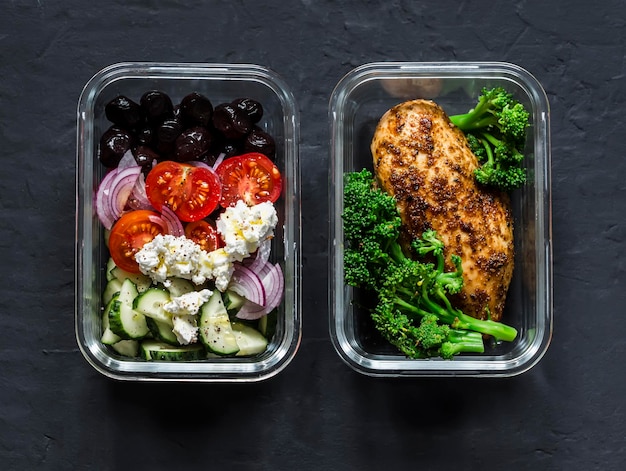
(244,227)
(168,256)
(188,303)
(185,329)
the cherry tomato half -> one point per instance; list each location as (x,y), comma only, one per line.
(191,192)
(250,177)
(203,234)
(130,233)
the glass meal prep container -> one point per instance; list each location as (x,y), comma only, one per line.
(220,83)
(357,103)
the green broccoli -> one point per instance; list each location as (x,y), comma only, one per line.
(412,308)
(496,131)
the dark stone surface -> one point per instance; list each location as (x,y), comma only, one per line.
(57,413)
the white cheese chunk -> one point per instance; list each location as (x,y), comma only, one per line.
(185,328)
(243,227)
(188,304)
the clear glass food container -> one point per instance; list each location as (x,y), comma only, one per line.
(357,103)
(220,83)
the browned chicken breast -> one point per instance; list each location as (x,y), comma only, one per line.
(425,163)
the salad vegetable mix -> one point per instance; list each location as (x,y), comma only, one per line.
(187,205)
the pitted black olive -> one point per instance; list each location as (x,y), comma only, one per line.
(196,110)
(251,107)
(114,143)
(124,112)
(157,106)
(192,144)
(260,141)
(231,121)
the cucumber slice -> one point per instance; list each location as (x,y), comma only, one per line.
(126,322)
(215,330)
(108,336)
(233,301)
(162,331)
(150,303)
(267,324)
(250,340)
(111,289)
(179,286)
(141,281)
(157,350)
(127,348)
(110,267)
(128,292)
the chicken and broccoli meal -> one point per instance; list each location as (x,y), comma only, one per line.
(429,232)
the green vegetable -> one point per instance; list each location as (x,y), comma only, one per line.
(496,131)
(412,311)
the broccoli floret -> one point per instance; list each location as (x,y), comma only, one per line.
(419,289)
(412,308)
(496,131)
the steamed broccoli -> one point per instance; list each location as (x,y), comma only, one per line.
(412,308)
(496,131)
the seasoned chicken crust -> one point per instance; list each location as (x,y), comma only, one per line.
(424,161)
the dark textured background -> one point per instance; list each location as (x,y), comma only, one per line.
(57,413)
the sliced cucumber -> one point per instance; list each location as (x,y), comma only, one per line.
(150,303)
(128,292)
(110,267)
(267,324)
(141,281)
(249,340)
(127,348)
(111,289)
(157,350)
(125,321)
(180,286)
(162,331)
(233,301)
(108,336)
(216,332)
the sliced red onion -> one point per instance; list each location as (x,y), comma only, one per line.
(127,160)
(257,263)
(160,221)
(103,208)
(246,283)
(138,198)
(219,160)
(274,284)
(114,192)
(174,226)
(123,186)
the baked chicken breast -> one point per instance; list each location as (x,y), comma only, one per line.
(424,161)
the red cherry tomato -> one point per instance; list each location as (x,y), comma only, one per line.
(203,234)
(191,192)
(130,233)
(251,177)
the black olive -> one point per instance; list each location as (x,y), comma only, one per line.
(145,135)
(260,141)
(145,156)
(166,135)
(231,121)
(114,143)
(157,106)
(124,112)
(196,110)
(251,107)
(192,144)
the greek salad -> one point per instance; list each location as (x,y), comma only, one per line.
(187,206)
